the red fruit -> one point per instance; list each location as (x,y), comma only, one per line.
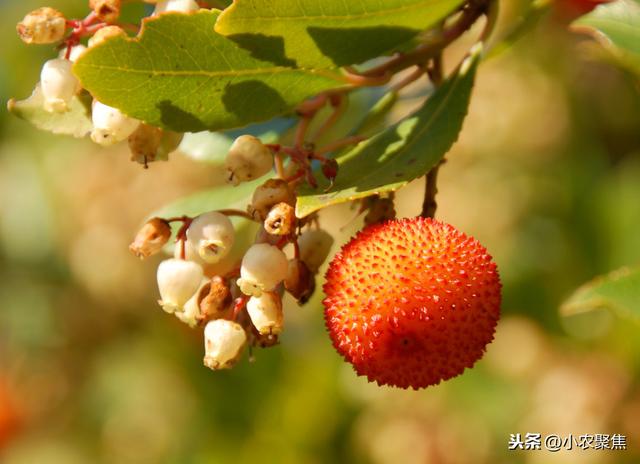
(572,9)
(412,302)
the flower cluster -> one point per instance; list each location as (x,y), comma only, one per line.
(242,306)
(238,303)
(58,85)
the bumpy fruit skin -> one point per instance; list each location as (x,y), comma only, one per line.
(412,302)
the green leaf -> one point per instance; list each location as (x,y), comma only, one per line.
(181,75)
(75,122)
(327,33)
(377,115)
(617,26)
(402,152)
(618,292)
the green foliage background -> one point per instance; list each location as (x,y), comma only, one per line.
(545,175)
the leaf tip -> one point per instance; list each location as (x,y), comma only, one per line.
(472,58)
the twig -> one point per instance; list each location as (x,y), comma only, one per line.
(429,204)
(428,50)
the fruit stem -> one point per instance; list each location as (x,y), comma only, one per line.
(429,205)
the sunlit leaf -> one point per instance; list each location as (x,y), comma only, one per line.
(618,292)
(377,115)
(328,33)
(181,75)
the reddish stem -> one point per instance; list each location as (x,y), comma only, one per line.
(301,130)
(338,109)
(238,306)
(414,76)
(364,80)
(279,165)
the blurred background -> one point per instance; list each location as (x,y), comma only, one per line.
(546,175)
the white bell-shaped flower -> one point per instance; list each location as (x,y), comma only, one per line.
(265,312)
(211,235)
(263,267)
(58,85)
(110,125)
(223,343)
(248,159)
(178,280)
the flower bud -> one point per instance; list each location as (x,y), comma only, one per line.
(265,312)
(107,10)
(178,280)
(263,267)
(314,246)
(223,343)
(330,169)
(216,300)
(42,26)
(110,125)
(248,159)
(144,143)
(183,6)
(211,235)
(268,195)
(105,33)
(76,52)
(151,238)
(300,281)
(58,84)
(281,219)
